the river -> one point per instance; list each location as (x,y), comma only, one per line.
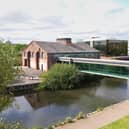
(45,108)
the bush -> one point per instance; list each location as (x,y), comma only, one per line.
(68,120)
(60,76)
(80,115)
(100,109)
(10,125)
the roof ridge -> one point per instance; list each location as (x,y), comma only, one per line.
(55,47)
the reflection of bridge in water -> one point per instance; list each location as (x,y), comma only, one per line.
(110,68)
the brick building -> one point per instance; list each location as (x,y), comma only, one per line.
(41,54)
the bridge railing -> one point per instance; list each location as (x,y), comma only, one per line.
(105,69)
(95,61)
(99,66)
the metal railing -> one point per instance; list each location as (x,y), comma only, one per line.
(112,68)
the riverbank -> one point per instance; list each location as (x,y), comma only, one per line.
(58,105)
(122,123)
(99,119)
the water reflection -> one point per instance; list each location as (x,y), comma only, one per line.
(47,107)
(5,102)
(62,98)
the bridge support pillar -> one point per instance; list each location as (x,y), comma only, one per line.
(70,61)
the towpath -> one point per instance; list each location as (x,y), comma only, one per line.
(99,119)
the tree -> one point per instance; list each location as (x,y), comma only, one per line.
(18,50)
(61,76)
(8,71)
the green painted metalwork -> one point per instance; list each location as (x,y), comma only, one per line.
(111,68)
(100,69)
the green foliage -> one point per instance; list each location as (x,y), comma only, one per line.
(18,48)
(10,125)
(119,124)
(49,127)
(5,101)
(58,123)
(68,120)
(60,76)
(100,109)
(80,115)
(8,71)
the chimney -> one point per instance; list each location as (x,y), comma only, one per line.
(65,41)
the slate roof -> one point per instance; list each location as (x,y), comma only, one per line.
(56,47)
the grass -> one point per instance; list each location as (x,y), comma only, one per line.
(119,124)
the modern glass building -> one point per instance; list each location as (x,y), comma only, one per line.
(110,47)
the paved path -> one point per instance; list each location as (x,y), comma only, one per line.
(28,75)
(31,72)
(99,119)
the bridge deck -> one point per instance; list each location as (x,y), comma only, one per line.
(95,61)
(111,68)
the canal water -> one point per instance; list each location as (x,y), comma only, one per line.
(45,108)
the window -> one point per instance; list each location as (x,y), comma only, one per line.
(24,54)
(32,54)
(41,54)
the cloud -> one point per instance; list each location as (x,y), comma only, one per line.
(15,17)
(47,20)
(54,21)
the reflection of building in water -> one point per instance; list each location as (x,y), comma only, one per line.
(63,98)
(36,100)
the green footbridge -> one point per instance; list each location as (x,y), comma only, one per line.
(110,68)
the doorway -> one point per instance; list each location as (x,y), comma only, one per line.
(37,60)
(25,62)
(28,59)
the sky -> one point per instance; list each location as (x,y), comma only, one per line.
(24,20)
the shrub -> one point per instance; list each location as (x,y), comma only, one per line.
(100,109)
(49,127)
(60,76)
(10,125)
(80,115)
(68,120)
(58,123)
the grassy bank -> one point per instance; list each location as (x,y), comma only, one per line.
(119,124)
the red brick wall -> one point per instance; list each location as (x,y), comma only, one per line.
(33,47)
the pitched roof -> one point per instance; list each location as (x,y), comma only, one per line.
(55,47)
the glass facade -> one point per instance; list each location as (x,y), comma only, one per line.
(117,49)
(104,69)
(111,47)
(79,55)
(100,45)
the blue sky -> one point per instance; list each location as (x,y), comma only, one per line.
(26,20)
(123,2)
